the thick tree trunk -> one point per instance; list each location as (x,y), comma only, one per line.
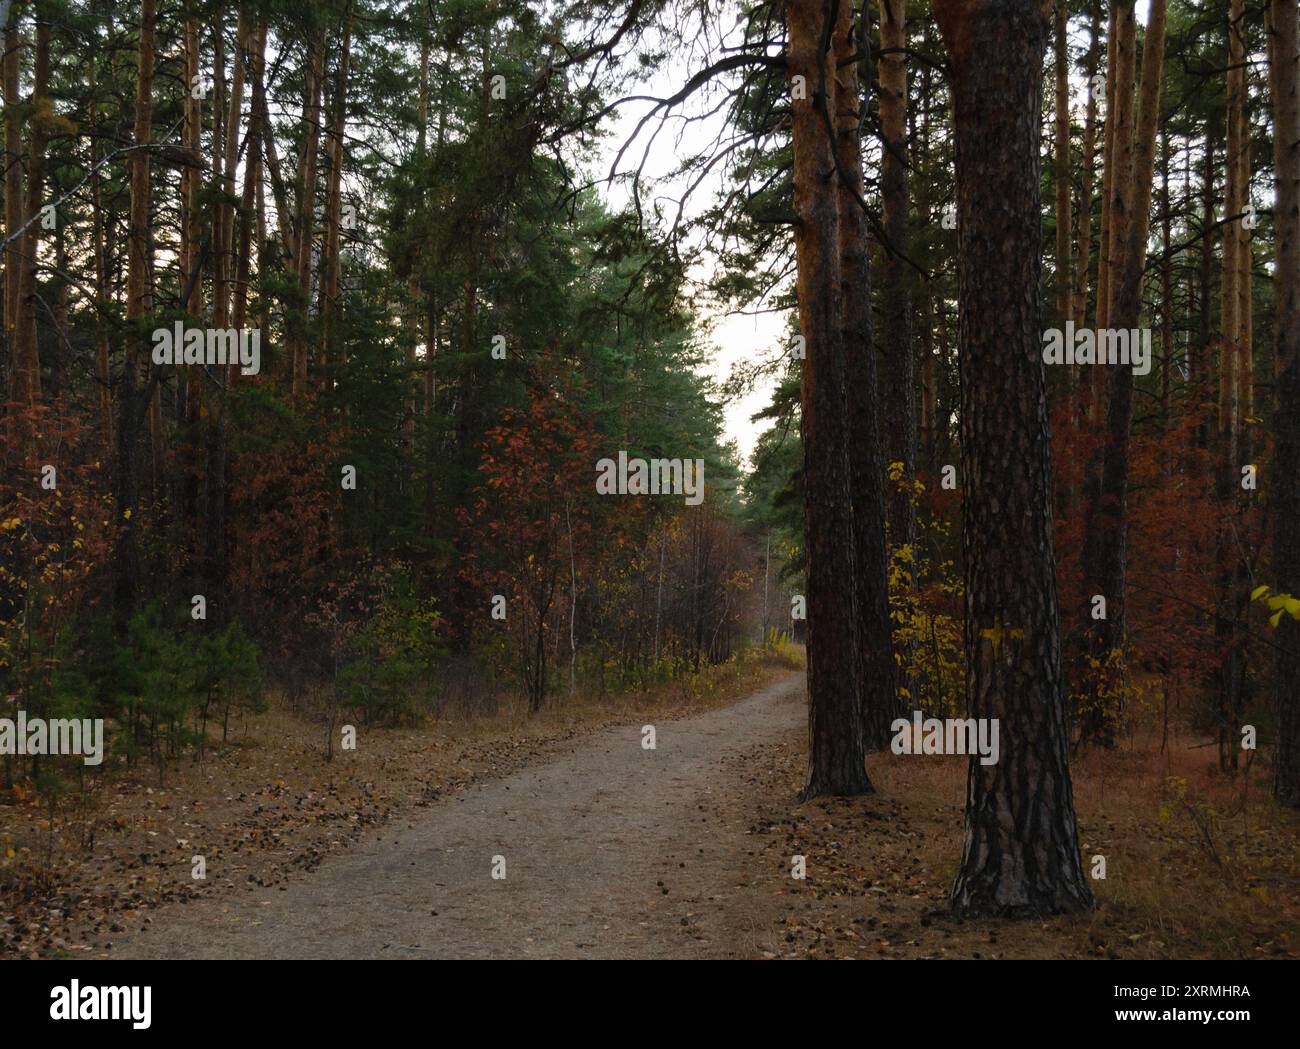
(836,746)
(1021,854)
(866,473)
(1284,68)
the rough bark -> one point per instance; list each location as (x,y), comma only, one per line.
(1021,853)
(836,746)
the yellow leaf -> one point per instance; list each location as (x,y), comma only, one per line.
(1258,592)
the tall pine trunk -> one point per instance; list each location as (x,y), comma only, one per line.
(304,229)
(1021,854)
(329,300)
(1105,544)
(138,305)
(10,70)
(27,364)
(898,398)
(1284,67)
(866,474)
(836,746)
(1061,168)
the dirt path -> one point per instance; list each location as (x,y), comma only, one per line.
(611,851)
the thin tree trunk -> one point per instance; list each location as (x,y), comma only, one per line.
(866,473)
(414,291)
(10,70)
(1091,63)
(1064,273)
(126,559)
(898,397)
(1230,677)
(190,377)
(1166,285)
(1107,187)
(252,181)
(1105,544)
(330,304)
(307,164)
(27,364)
(1121,105)
(104,295)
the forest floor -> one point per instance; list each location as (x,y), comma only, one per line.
(1198,864)
(95,869)
(611,850)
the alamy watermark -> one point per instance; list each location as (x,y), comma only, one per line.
(38,737)
(949,736)
(102,1003)
(210,346)
(1100,346)
(651,477)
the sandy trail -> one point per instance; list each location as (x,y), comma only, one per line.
(611,851)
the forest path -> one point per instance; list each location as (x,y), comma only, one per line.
(611,851)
